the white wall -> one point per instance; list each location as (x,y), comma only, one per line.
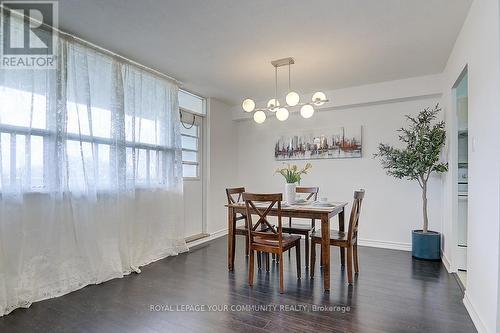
(221,163)
(478,47)
(392,208)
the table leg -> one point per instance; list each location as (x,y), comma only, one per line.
(230,238)
(341,228)
(325,247)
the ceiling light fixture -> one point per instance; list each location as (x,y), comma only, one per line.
(259,117)
(292,99)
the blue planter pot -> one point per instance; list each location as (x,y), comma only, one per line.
(426,246)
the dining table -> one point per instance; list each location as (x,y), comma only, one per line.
(308,211)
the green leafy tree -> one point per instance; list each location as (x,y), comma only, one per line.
(424,139)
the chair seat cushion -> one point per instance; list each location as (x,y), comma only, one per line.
(287,240)
(334,235)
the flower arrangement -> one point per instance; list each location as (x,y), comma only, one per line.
(292,173)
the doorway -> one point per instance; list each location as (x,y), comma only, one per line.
(192,118)
(461,167)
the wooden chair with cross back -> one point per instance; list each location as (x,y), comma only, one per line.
(347,240)
(270,241)
(234,196)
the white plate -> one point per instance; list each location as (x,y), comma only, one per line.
(323,204)
(300,201)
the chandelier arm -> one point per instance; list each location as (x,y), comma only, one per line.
(276,87)
(293,107)
(289,80)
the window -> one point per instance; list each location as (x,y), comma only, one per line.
(191,144)
(192,112)
(116,131)
(22,145)
(191,102)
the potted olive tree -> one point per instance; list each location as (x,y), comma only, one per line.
(423,140)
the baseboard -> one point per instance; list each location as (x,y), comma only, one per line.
(378,243)
(459,282)
(446,262)
(361,242)
(384,244)
(481,328)
(213,235)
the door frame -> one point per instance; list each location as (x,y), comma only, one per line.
(201,170)
(454,169)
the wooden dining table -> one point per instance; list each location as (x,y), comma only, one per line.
(304,211)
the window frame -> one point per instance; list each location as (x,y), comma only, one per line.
(189,106)
(46,134)
(199,151)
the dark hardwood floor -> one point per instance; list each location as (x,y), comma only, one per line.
(393,293)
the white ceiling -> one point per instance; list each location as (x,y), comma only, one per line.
(223,48)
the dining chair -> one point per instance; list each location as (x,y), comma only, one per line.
(342,239)
(271,241)
(299,229)
(234,196)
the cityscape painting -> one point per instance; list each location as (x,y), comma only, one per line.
(339,142)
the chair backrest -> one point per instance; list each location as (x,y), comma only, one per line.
(234,194)
(252,200)
(313,191)
(352,232)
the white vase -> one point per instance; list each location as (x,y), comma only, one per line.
(289,194)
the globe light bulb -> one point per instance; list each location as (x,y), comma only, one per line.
(248,105)
(292,98)
(306,111)
(318,98)
(282,114)
(259,117)
(273,105)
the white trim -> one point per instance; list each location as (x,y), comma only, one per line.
(361,242)
(446,263)
(204,164)
(213,235)
(480,326)
(207,183)
(377,243)
(384,244)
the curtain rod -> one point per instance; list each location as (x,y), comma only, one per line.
(97,47)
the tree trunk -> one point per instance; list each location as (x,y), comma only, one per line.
(424,207)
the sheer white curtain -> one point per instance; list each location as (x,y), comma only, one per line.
(90,174)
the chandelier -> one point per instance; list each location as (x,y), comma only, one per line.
(292,99)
